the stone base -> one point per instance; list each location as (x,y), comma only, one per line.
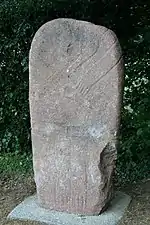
(30,210)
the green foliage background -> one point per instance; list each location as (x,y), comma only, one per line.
(20,19)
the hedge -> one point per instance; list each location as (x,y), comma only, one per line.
(20,19)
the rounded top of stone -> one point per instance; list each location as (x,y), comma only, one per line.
(74,26)
(75,70)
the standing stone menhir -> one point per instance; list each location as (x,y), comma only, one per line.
(76,74)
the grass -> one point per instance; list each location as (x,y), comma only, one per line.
(15,163)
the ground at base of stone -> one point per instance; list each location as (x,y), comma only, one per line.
(30,210)
(15,188)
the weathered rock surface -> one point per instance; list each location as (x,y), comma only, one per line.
(76,74)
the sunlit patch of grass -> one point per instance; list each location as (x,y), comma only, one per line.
(15,163)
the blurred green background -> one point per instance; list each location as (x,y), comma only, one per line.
(130,20)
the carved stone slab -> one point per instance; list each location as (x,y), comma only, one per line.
(76,74)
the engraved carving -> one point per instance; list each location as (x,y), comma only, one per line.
(75,97)
(109,70)
(82,57)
